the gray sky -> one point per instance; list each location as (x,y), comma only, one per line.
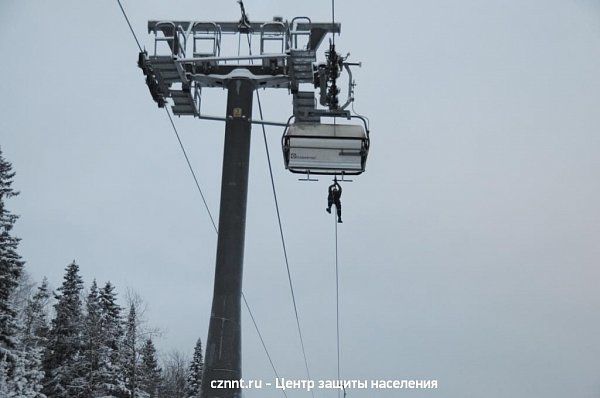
(469,249)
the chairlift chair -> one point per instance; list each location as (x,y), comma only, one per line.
(326,149)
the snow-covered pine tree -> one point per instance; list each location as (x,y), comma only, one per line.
(150,374)
(18,383)
(20,361)
(87,362)
(65,337)
(32,341)
(35,317)
(111,375)
(22,295)
(11,267)
(3,380)
(130,354)
(194,379)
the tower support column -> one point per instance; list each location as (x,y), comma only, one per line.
(223,358)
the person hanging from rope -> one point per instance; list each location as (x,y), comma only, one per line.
(333,198)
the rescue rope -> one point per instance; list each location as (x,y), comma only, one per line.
(337,276)
(337,300)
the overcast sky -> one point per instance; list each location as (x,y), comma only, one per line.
(470,248)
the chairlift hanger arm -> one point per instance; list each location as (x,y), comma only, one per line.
(351,84)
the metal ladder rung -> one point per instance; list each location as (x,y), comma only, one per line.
(305,95)
(164,67)
(179,94)
(183,110)
(182,101)
(303,57)
(301,100)
(303,74)
(161,59)
(169,74)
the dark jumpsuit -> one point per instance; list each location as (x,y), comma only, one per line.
(333,198)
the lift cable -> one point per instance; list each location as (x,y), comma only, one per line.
(333,18)
(129,24)
(262,340)
(212,220)
(284,246)
(207,208)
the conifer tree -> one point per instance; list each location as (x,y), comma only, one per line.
(18,383)
(35,317)
(19,360)
(88,361)
(65,338)
(11,267)
(194,379)
(3,379)
(150,373)
(130,353)
(111,377)
(32,340)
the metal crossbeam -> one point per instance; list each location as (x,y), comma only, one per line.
(202,60)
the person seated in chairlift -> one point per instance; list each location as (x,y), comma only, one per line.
(333,198)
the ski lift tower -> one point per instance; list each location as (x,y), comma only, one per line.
(187,58)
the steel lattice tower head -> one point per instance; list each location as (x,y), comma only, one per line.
(187,57)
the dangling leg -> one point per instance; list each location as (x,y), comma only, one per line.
(338,206)
(329,203)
